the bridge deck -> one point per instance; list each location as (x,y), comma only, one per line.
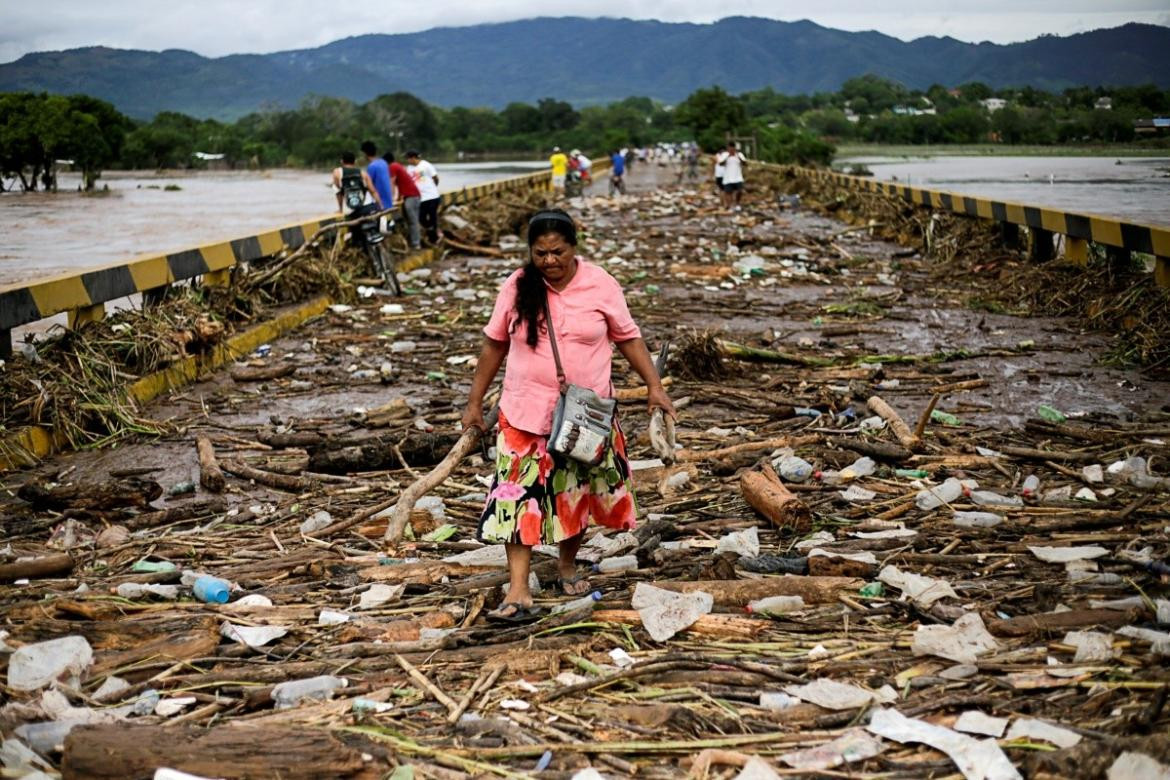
(825,293)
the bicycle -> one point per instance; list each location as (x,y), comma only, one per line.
(367,235)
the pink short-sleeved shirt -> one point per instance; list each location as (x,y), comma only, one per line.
(587,315)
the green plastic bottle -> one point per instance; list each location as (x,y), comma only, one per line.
(1046,412)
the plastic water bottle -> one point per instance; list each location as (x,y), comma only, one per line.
(211,590)
(862,467)
(588,600)
(934,497)
(977,519)
(292,693)
(1031,486)
(988,498)
(775,605)
(792,468)
(618,564)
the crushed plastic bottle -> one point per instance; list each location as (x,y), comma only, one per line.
(872,590)
(932,498)
(912,473)
(1031,486)
(292,693)
(977,519)
(1046,412)
(990,498)
(136,590)
(618,564)
(775,605)
(792,469)
(862,467)
(588,600)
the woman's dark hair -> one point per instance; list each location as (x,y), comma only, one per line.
(531,294)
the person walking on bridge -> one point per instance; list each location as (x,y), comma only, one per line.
(406,189)
(554,321)
(427,180)
(733,165)
(560,167)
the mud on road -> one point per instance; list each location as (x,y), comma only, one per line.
(1038,621)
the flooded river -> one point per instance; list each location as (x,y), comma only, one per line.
(1136,189)
(48,233)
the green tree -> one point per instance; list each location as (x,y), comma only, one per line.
(711,114)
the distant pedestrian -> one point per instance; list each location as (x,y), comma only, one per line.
(584,165)
(379,173)
(720,159)
(617,174)
(560,167)
(426,178)
(405,187)
(733,166)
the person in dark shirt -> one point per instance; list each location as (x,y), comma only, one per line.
(408,191)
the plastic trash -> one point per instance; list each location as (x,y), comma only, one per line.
(252,636)
(872,590)
(862,467)
(834,695)
(1092,646)
(857,493)
(945,418)
(290,694)
(1094,473)
(1131,764)
(775,605)
(1066,554)
(991,498)
(619,564)
(977,519)
(934,497)
(378,594)
(792,469)
(1030,728)
(434,505)
(855,744)
(920,589)
(399,347)
(1031,486)
(874,423)
(39,664)
(152,567)
(776,701)
(976,722)
(745,544)
(664,613)
(316,521)
(963,642)
(332,617)
(211,590)
(912,473)
(1046,412)
(588,600)
(756,768)
(136,590)
(982,759)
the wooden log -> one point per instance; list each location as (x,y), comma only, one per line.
(875,449)
(955,387)
(123,751)
(1059,622)
(115,493)
(267,478)
(44,566)
(924,418)
(376,453)
(262,373)
(755,355)
(186,511)
(738,593)
(830,566)
(435,477)
(210,474)
(747,447)
(282,441)
(1027,453)
(768,496)
(724,626)
(902,431)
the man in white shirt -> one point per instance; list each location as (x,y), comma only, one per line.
(733,166)
(720,158)
(426,178)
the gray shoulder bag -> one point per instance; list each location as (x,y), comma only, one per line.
(583,421)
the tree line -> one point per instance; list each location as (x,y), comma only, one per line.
(38,129)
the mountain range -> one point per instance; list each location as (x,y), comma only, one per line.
(583,61)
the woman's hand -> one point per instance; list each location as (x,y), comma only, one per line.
(473,418)
(656,398)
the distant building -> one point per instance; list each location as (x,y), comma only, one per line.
(993,104)
(1104,104)
(213,162)
(1159,125)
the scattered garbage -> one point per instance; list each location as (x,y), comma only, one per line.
(664,613)
(36,665)
(964,641)
(294,692)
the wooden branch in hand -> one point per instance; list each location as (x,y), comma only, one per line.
(434,477)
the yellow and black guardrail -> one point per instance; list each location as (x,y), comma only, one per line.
(1079,229)
(82,295)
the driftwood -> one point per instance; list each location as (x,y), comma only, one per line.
(210,474)
(111,494)
(726,626)
(122,751)
(375,453)
(31,568)
(435,477)
(748,447)
(902,431)
(267,478)
(768,496)
(184,511)
(1061,621)
(262,373)
(738,593)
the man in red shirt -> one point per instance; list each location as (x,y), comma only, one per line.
(407,190)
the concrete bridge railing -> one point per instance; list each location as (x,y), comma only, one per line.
(1119,237)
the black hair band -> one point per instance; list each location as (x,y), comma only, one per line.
(553,215)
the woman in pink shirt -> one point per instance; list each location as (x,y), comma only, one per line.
(538,497)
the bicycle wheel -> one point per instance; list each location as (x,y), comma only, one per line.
(386,264)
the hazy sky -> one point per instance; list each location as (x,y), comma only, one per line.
(217,27)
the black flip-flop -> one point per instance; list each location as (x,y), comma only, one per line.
(563,581)
(522,614)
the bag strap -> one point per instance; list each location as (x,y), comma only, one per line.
(552,340)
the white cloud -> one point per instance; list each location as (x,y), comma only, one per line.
(218,27)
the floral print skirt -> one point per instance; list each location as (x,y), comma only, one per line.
(538,497)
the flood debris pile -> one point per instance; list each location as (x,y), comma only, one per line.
(875,551)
